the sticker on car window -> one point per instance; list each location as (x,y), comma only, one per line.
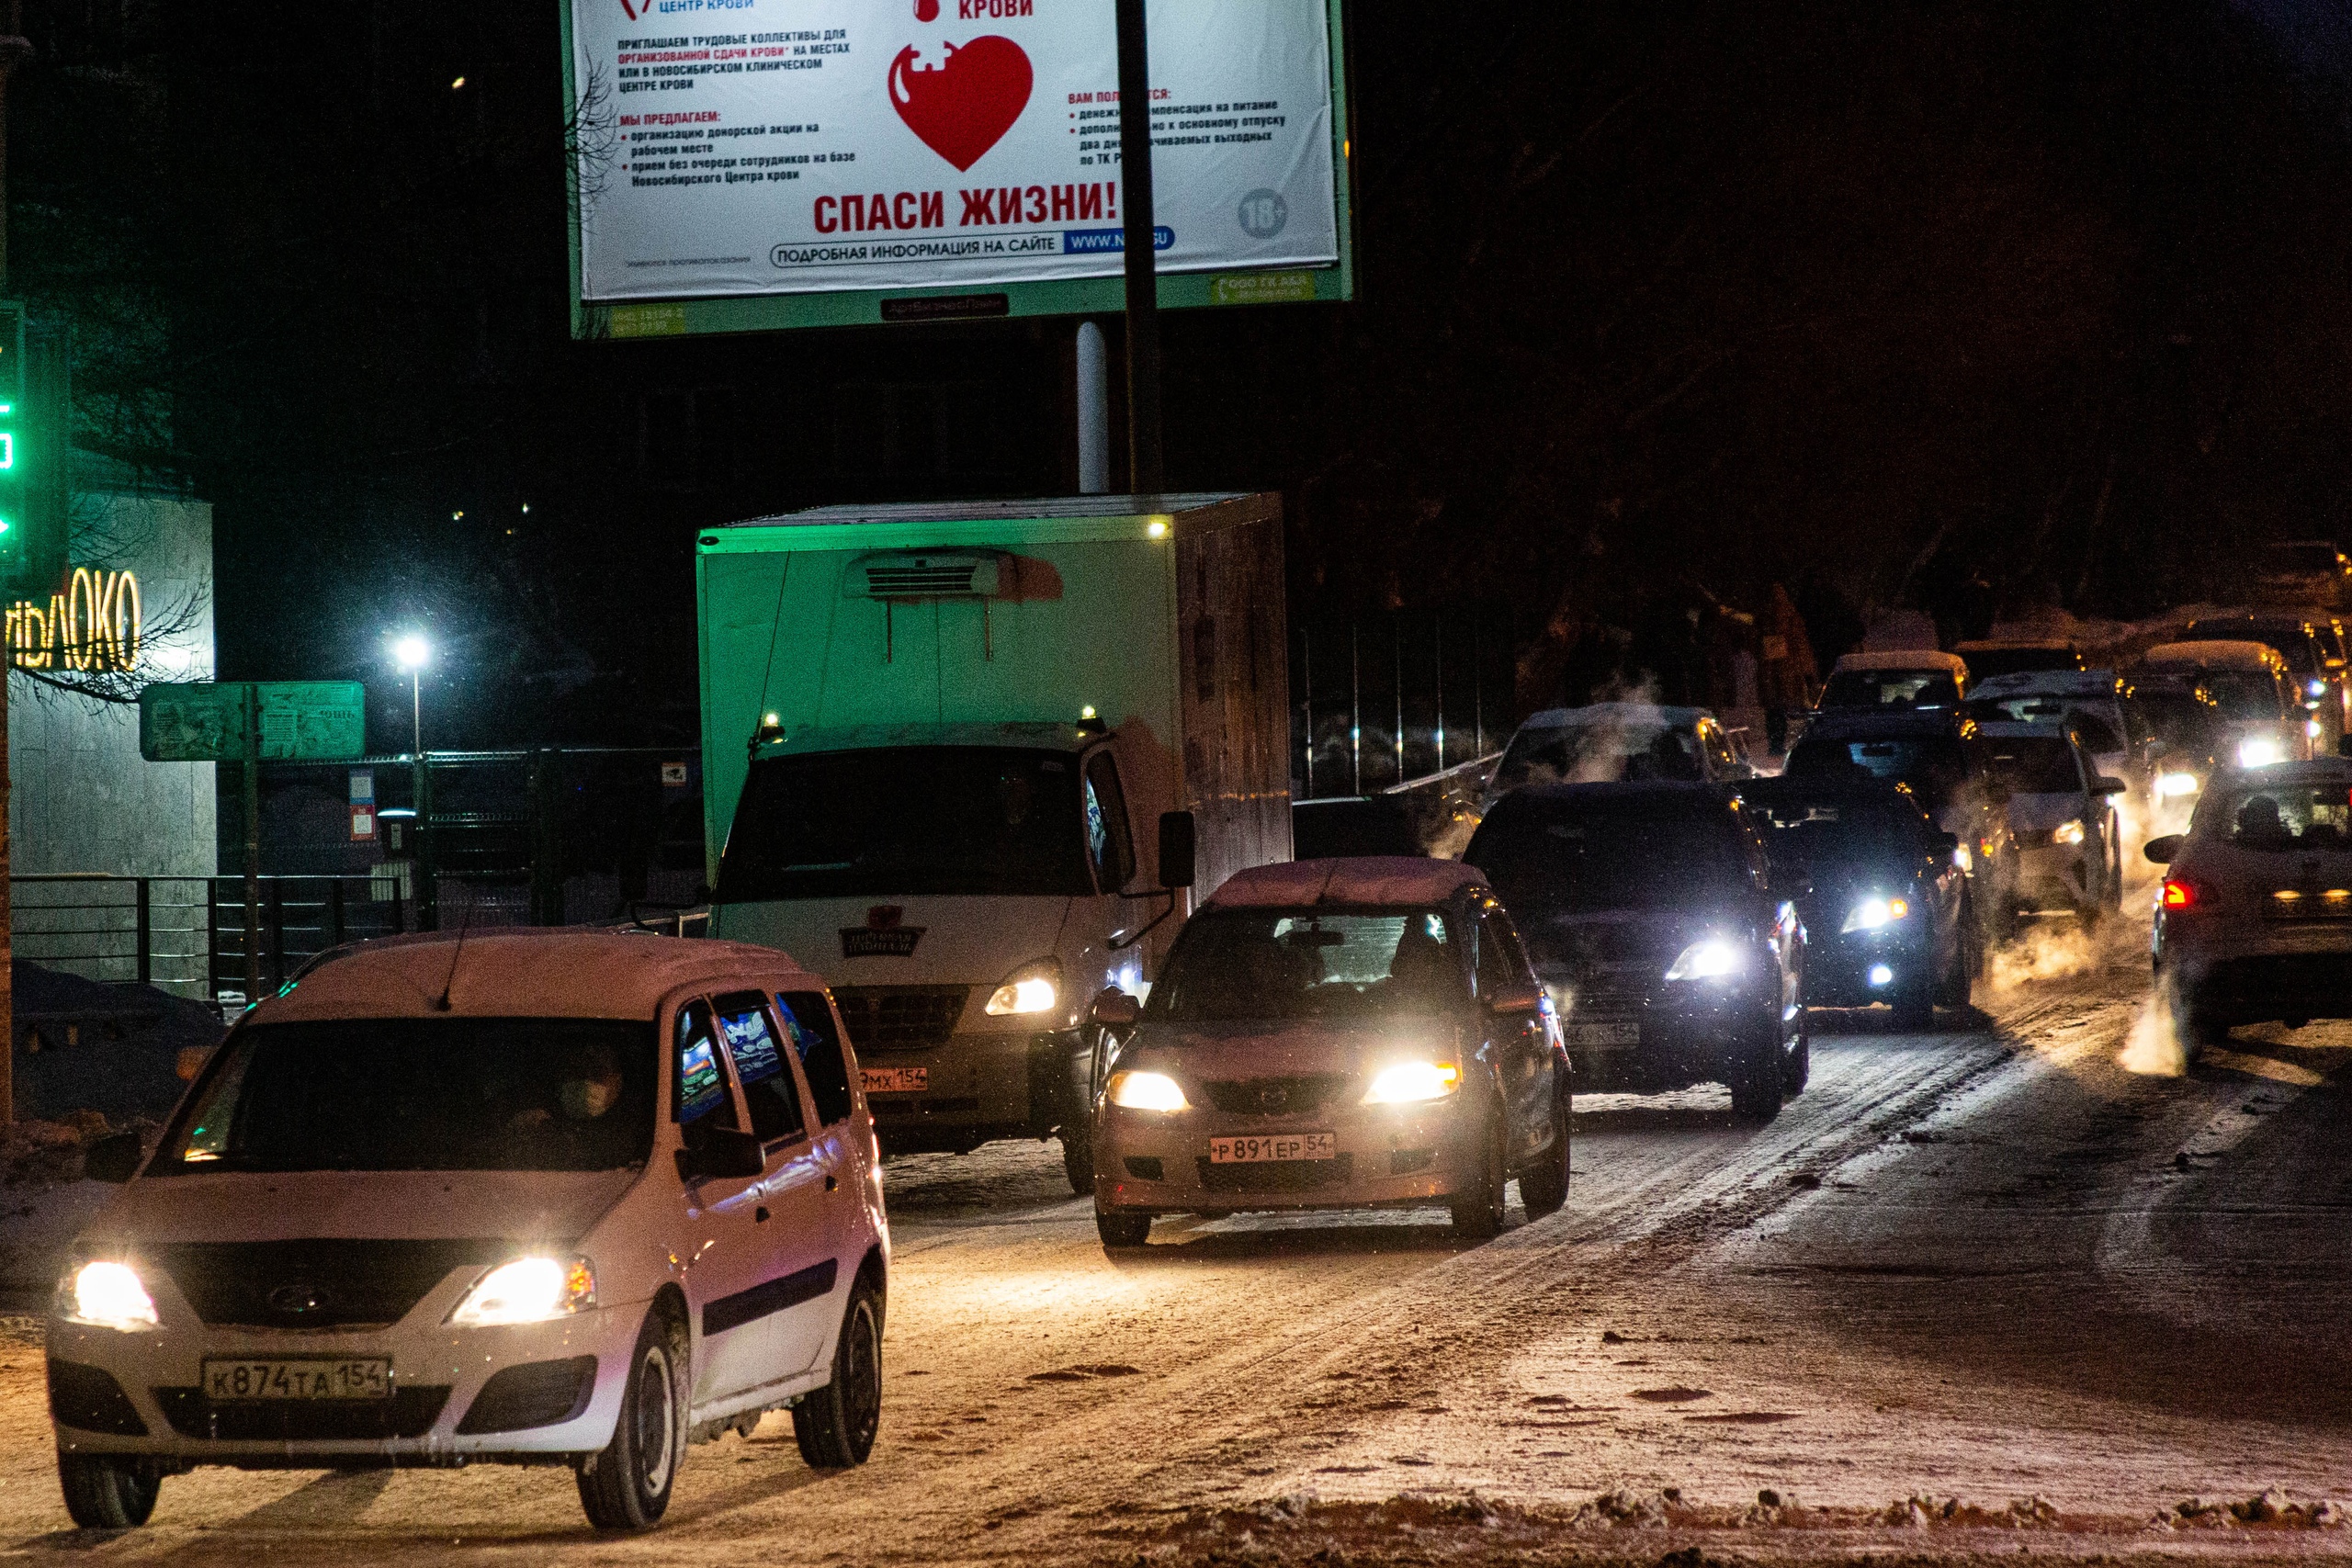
(701,1090)
(753,1048)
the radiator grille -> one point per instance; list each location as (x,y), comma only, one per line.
(410,1413)
(322,1283)
(1278,1175)
(1301,1096)
(899,1018)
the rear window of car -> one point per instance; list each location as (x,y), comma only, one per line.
(1567,856)
(1601,750)
(1232,966)
(1890,689)
(2283,817)
(423,1094)
(2033,766)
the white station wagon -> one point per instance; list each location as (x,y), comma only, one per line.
(560,1198)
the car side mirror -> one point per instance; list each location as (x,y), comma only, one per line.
(1114,1009)
(1176,849)
(2158,748)
(112,1158)
(1515,998)
(2344,744)
(2107,783)
(722,1153)
(2163,851)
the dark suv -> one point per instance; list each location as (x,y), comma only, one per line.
(1673,955)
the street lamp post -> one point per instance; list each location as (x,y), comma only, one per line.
(411,653)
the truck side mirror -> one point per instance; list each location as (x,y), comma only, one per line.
(1114,1009)
(113,1159)
(721,1152)
(1176,849)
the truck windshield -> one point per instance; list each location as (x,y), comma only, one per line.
(1237,965)
(907,820)
(424,1094)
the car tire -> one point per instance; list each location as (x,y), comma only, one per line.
(1758,1085)
(835,1425)
(1478,1211)
(1952,990)
(1543,1186)
(1078,1157)
(626,1487)
(107,1492)
(1796,1065)
(1121,1230)
(1915,1007)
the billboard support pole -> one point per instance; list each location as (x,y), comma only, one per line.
(1093,412)
(251,770)
(1144,472)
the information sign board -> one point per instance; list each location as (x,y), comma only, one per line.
(206,721)
(757,164)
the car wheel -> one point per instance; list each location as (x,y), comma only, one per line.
(1543,1186)
(1915,1006)
(1478,1212)
(626,1487)
(105,1491)
(1121,1230)
(1078,1157)
(1757,1083)
(1796,1066)
(1952,991)
(835,1424)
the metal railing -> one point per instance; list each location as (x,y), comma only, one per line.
(148,930)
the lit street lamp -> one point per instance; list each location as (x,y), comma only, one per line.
(411,653)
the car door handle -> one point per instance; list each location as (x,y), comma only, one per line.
(760,1215)
(831,1182)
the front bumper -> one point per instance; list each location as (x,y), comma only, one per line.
(1838,967)
(1691,1033)
(2054,876)
(143,1394)
(1400,1156)
(976,1088)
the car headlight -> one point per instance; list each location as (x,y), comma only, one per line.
(2317,688)
(105,1295)
(1033,987)
(2171,784)
(2069,832)
(1870,915)
(530,1290)
(1709,958)
(2257,751)
(1407,1083)
(1146,1091)
(1961,856)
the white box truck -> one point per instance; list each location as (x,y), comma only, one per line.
(945,750)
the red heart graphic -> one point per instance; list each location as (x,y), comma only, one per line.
(963,106)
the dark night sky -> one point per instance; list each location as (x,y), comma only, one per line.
(1865,295)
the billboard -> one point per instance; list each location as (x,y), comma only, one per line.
(756,163)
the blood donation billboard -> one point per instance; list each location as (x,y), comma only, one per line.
(734,150)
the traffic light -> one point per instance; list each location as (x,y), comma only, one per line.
(35,455)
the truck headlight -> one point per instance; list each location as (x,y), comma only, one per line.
(530,1290)
(2168,785)
(2257,751)
(1709,958)
(1871,914)
(105,1295)
(1408,1083)
(1033,987)
(2068,832)
(1146,1091)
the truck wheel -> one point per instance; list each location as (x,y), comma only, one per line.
(1478,1212)
(1756,1083)
(106,1492)
(835,1424)
(1543,1186)
(626,1487)
(1120,1230)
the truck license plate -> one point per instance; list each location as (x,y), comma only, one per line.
(1605,1032)
(896,1080)
(1274,1146)
(272,1378)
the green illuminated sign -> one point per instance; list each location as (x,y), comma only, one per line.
(14,460)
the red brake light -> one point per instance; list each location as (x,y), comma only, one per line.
(2179,895)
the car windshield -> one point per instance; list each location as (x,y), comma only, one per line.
(1890,689)
(1235,965)
(2033,766)
(423,1094)
(1984,663)
(1934,765)
(1599,750)
(2291,639)
(1823,834)
(1568,855)
(2243,694)
(2098,725)
(907,820)
(2183,719)
(2285,816)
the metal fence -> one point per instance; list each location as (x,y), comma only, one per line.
(1380,701)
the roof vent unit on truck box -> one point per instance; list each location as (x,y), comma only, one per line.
(984,739)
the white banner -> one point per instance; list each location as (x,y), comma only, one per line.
(746,147)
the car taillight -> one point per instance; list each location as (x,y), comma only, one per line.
(2182,893)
